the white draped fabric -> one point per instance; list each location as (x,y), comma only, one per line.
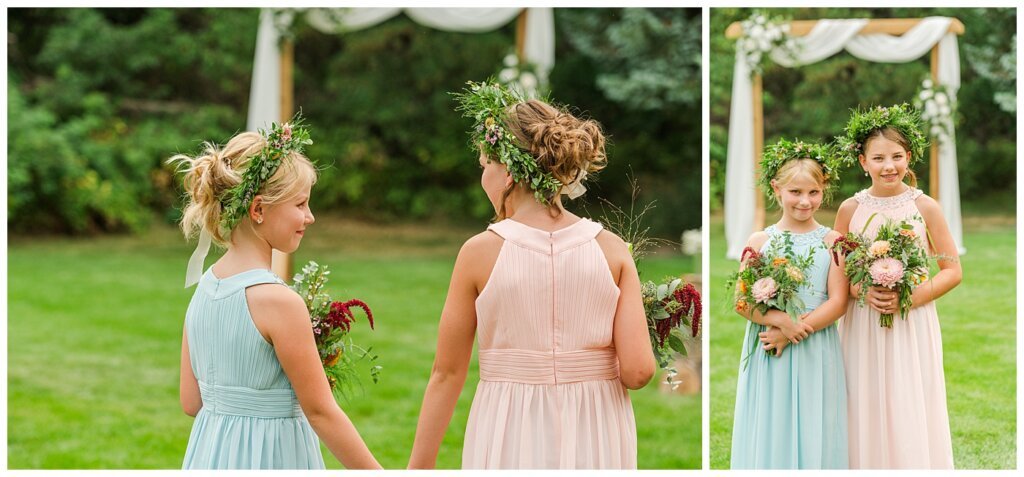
(827,38)
(449,19)
(265,89)
(264,96)
(740,201)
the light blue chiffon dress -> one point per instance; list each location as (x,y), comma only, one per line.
(791,410)
(250,417)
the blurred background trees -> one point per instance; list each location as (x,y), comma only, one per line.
(98,99)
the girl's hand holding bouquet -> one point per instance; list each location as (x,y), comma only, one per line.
(767,284)
(889,267)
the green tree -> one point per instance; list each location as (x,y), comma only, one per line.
(115,92)
(99,98)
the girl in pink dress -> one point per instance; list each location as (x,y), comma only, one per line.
(894,378)
(553,298)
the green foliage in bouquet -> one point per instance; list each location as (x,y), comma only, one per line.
(770,280)
(672,308)
(332,321)
(673,312)
(895,260)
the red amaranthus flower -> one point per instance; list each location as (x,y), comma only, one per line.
(341,315)
(752,256)
(844,245)
(686,297)
(690,297)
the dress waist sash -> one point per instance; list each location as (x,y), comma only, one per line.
(244,401)
(546,367)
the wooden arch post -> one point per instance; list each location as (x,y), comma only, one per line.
(797,28)
(282,263)
(521,36)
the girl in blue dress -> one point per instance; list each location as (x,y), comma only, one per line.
(250,371)
(791,397)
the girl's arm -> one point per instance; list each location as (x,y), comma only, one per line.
(842,227)
(188,386)
(629,332)
(844,215)
(838,294)
(454,347)
(281,315)
(950,273)
(777,319)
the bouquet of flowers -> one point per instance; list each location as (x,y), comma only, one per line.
(770,280)
(332,321)
(673,312)
(673,308)
(894,260)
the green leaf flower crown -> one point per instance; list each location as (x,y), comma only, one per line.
(487,104)
(901,117)
(784,150)
(282,140)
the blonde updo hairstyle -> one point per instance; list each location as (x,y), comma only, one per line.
(209,176)
(895,136)
(563,145)
(803,167)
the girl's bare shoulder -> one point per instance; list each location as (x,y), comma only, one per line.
(757,239)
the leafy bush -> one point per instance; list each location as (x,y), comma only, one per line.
(101,97)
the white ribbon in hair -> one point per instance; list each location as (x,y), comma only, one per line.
(575,188)
(198,259)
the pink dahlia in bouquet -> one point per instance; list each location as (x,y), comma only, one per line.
(770,280)
(886,272)
(764,289)
(332,322)
(894,259)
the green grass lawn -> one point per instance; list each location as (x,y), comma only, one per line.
(978,335)
(94,337)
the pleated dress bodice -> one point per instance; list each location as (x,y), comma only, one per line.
(225,346)
(549,307)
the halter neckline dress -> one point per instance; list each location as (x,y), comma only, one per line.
(549,395)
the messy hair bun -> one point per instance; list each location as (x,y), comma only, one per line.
(211,174)
(563,144)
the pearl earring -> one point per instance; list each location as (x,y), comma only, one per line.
(865,173)
(259,220)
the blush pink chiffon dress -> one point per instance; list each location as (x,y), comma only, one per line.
(549,395)
(894,379)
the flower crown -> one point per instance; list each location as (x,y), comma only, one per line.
(282,140)
(487,104)
(783,151)
(901,117)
